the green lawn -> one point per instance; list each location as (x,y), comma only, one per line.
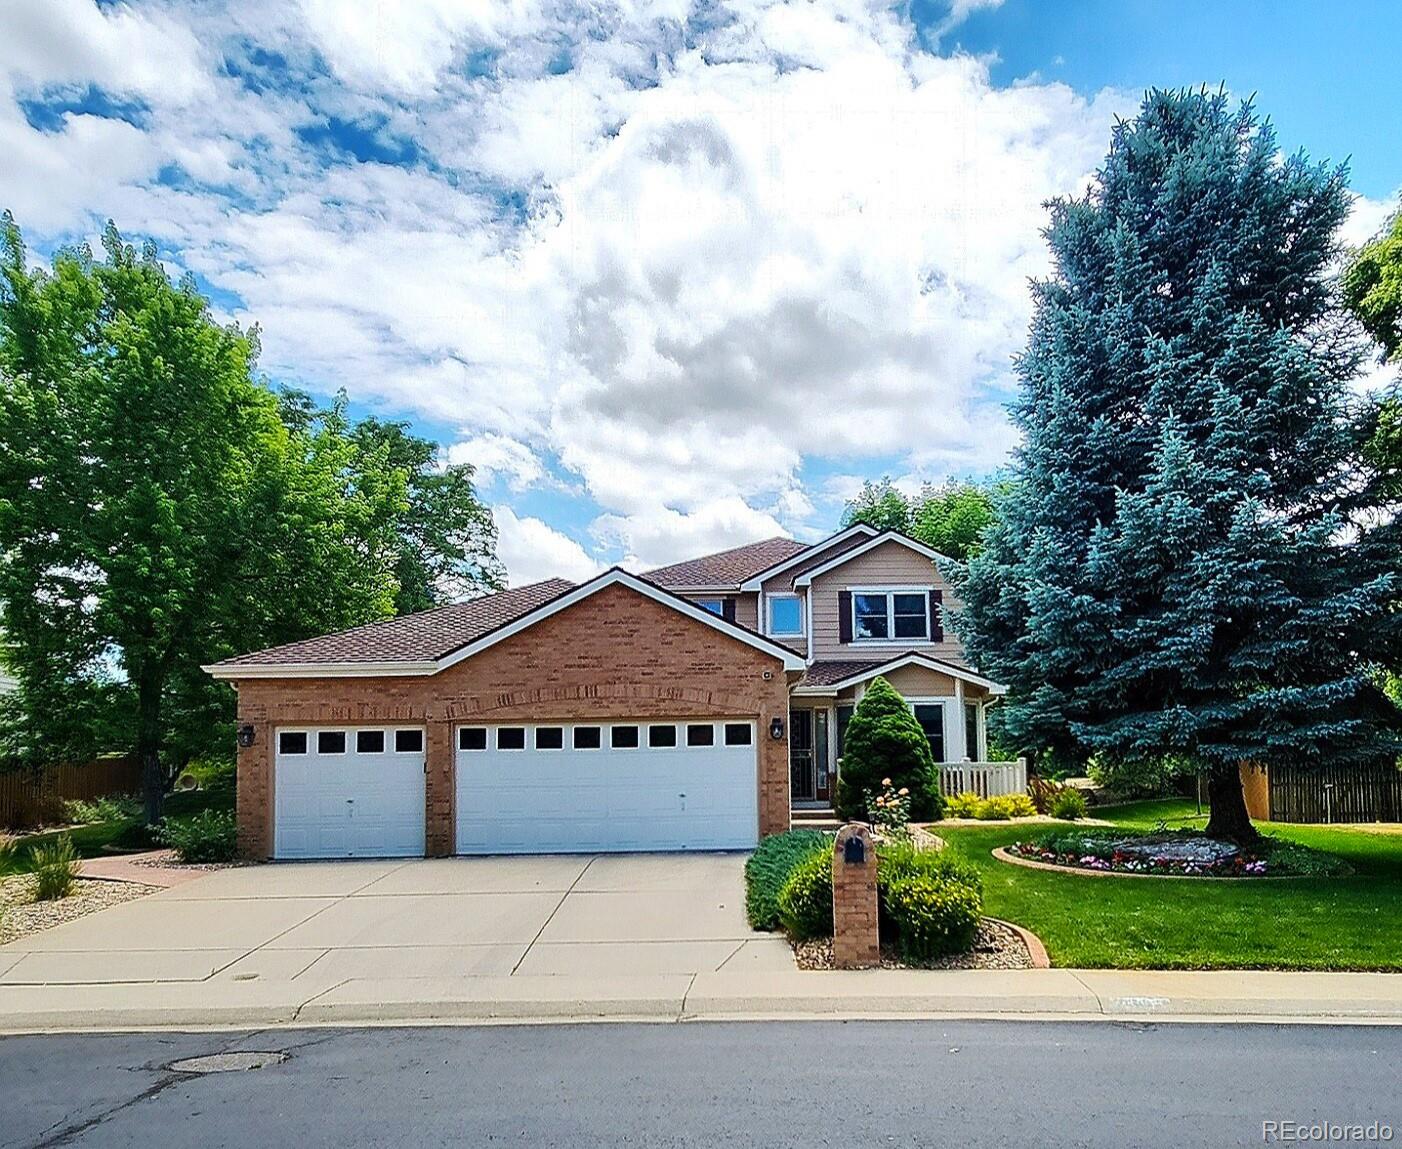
(89,840)
(1196,923)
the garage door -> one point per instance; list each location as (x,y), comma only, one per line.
(349,792)
(645,785)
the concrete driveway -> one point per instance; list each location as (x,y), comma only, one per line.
(325,923)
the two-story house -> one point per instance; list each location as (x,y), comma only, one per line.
(694,707)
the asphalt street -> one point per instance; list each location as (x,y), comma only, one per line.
(898,1083)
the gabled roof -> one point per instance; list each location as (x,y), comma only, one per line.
(407,645)
(830,677)
(796,560)
(726,570)
(888,536)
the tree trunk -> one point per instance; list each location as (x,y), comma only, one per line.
(1228,819)
(148,747)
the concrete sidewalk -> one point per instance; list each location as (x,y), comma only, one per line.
(1056,993)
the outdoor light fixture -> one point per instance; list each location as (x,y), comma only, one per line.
(776,729)
(854,851)
(245,736)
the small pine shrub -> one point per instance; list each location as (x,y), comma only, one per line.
(769,868)
(805,902)
(963,805)
(209,836)
(883,740)
(932,917)
(55,868)
(1068,804)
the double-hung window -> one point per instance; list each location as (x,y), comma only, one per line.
(883,616)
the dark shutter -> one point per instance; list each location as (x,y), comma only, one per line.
(727,609)
(844,616)
(936,618)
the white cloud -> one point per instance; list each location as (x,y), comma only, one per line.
(677,264)
(531,550)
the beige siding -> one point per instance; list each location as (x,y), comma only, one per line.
(783,583)
(746,605)
(921,682)
(889,564)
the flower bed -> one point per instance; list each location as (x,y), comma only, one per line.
(1175,854)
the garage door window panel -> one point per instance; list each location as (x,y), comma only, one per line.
(331,742)
(662,737)
(408,741)
(738,734)
(292,742)
(588,737)
(623,737)
(550,738)
(700,734)
(369,741)
(472,738)
(511,738)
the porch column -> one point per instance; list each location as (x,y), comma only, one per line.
(957,734)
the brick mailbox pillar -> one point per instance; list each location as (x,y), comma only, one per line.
(855,943)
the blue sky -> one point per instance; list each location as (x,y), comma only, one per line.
(673,276)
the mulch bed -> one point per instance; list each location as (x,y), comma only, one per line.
(21,915)
(996,946)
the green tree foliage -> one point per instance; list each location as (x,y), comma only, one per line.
(883,740)
(951,518)
(1372,288)
(1193,562)
(160,509)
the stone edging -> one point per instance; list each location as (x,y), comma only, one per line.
(1085,872)
(1035,949)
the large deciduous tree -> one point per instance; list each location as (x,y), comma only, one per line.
(1189,563)
(951,517)
(159,509)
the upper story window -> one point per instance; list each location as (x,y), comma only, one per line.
(785,614)
(883,616)
(714,605)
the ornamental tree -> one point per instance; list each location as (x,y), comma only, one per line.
(883,740)
(1189,562)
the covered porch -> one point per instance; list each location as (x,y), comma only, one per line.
(950,702)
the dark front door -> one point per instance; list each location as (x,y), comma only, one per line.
(808,756)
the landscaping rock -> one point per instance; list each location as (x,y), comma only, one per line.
(21,915)
(1177,848)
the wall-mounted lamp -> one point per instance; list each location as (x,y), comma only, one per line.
(776,729)
(245,736)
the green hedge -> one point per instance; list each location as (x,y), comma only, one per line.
(769,868)
(805,902)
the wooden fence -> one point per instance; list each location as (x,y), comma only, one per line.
(1336,794)
(986,779)
(27,798)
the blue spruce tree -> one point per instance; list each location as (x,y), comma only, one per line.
(1191,562)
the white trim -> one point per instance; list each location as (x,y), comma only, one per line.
(755,582)
(956,672)
(769,601)
(890,593)
(613,577)
(807,577)
(944,702)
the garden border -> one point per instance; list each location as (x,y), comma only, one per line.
(1035,949)
(1002,855)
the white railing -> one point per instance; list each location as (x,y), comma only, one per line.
(986,779)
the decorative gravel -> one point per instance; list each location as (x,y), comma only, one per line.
(21,915)
(166,860)
(995,947)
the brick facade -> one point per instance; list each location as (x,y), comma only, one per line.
(616,654)
(856,941)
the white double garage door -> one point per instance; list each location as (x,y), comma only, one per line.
(521,789)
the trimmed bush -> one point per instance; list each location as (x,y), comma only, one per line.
(883,740)
(963,805)
(209,836)
(769,868)
(55,868)
(932,917)
(1001,807)
(1067,804)
(899,860)
(805,902)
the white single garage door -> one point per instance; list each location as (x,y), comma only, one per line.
(645,785)
(349,792)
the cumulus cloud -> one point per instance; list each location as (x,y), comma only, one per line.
(531,550)
(680,256)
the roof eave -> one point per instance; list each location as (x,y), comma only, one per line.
(756,581)
(226,670)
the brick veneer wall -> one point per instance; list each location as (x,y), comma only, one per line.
(856,940)
(616,654)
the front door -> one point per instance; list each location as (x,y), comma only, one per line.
(803,780)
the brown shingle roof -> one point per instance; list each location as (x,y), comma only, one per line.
(420,637)
(826,673)
(727,569)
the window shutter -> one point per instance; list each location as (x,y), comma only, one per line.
(936,618)
(727,609)
(844,616)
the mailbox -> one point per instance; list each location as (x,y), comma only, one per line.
(854,851)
